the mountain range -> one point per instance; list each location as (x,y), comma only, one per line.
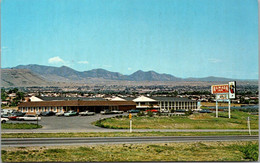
(33,73)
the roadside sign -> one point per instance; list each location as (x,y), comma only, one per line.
(232,89)
(217,89)
(222,96)
(130,116)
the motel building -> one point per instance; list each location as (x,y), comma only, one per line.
(75,105)
(58,104)
(162,103)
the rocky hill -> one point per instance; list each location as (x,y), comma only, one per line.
(16,77)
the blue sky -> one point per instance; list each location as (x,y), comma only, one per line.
(185,38)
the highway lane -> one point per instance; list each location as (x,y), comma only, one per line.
(18,142)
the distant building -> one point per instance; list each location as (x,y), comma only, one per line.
(75,105)
(165,103)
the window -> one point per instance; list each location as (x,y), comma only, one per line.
(49,108)
(26,109)
(32,109)
(37,109)
(55,109)
(21,109)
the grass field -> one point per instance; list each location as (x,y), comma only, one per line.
(238,120)
(20,126)
(196,151)
(119,134)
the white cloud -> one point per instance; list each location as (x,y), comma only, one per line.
(129,68)
(56,60)
(214,60)
(83,62)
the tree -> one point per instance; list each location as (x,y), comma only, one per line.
(3,94)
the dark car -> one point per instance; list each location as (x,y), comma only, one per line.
(133,111)
(205,111)
(47,113)
(15,115)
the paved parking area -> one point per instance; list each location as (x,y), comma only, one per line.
(67,124)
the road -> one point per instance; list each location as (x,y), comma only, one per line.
(18,142)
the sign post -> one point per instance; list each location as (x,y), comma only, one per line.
(248,123)
(229,116)
(216,108)
(130,117)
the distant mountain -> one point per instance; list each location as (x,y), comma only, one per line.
(101,73)
(51,73)
(15,77)
(68,74)
(210,78)
(152,76)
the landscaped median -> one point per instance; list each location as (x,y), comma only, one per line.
(20,126)
(238,120)
(190,151)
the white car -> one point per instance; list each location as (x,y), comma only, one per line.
(4,120)
(29,118)
(117,112)
(60,114)
(86,113)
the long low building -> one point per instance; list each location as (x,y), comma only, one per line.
(162,103)
(75,105)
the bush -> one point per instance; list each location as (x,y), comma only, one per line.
(189,112)
(250,151)
(150,114)
(141,113)
(159,114)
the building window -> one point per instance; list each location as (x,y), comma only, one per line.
(49,108)
(21,109)
(37,109)
(55,109)
(32,109)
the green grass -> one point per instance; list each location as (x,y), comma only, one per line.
(20,126)
(238,120)
(192,151)
(119,134)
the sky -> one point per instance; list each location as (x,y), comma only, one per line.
(185,38)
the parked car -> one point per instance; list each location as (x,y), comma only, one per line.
(47,113)
(153,110)
(117,112)
(70,113)
(5,115)
(133,111)
(4,120)
(106,112)
(60,114)
(29,117)
(165,111)
(15,115)
(205,111)
(86,113)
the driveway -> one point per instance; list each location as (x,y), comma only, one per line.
(66,124)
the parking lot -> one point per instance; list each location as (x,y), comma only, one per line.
(67,124)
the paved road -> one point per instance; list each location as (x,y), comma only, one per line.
(15,142)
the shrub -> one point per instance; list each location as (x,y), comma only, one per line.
(250,151)
(141,113)
(159,114)
(150,114)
